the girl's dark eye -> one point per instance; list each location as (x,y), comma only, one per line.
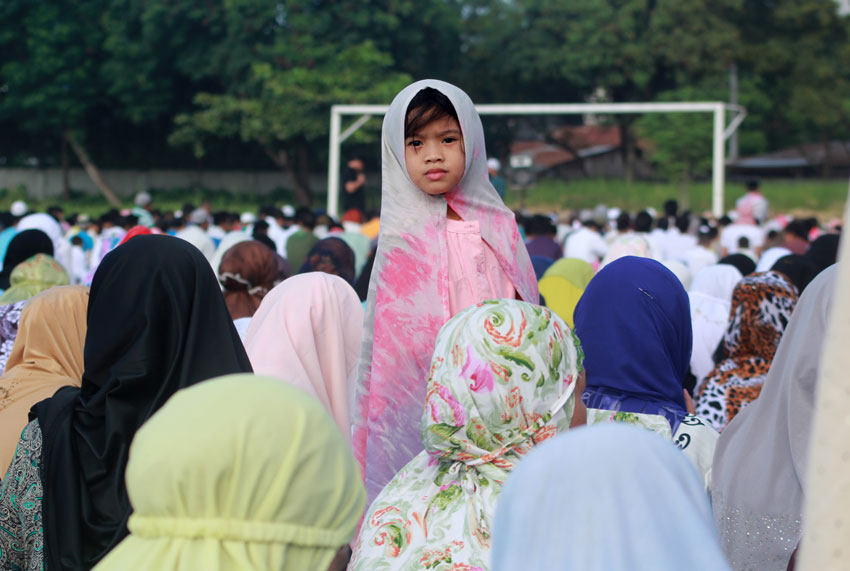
(450,139)
(415,143)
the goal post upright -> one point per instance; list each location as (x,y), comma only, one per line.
(718,109)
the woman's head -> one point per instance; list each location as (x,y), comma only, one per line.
(248,271)
(33,276)
(307,332)
(635,326)
(156,323)
(51,333)
(221,493)
(800,270)
(156,316)
(331,256)
(762,304)
(434,152)
(25,245)
(605,497)
(502,379)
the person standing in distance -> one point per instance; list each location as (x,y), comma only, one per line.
(493,168)
(354,183)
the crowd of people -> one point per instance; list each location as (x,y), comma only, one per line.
(448,386)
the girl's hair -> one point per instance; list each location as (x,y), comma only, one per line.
(426,106)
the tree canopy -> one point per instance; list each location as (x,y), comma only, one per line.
(251,81)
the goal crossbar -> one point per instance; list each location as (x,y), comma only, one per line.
(721,132)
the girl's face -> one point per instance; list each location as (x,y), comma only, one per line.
(435,157)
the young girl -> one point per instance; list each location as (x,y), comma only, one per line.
(447,241)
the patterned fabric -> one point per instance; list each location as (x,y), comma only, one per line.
(21,532)
(408,293)
(29,278)
(10,316)
(761,308)
(502,381)
(694,436)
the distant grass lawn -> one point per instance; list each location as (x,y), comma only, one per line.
(804,197)
(824,199)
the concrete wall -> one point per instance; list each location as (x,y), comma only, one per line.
(47,183)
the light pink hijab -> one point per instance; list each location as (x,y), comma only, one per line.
(307,333)
(408,297)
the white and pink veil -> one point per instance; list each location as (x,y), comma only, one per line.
(408,300)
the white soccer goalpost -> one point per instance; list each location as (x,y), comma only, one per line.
(721,132)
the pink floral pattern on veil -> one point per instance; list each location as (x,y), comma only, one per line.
(408,293)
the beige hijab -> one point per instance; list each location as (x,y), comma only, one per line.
(47,355)
(307,332)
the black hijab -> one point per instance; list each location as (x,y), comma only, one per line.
(361,286)
(743,262)
(22,247)
(800,270)
(157,323)
(824,250)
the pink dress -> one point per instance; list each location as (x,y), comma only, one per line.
(475,274)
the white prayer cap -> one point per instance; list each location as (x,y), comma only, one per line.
(19,208)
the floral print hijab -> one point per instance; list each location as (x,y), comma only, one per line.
(502,380)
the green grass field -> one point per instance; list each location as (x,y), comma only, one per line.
(824,199)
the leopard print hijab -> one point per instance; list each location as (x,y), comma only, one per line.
(761,308)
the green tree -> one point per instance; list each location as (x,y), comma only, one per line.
(51,53)
(264,73)
(680,143)
(632,49)
(796,58)
(288,109)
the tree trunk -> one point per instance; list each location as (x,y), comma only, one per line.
(303,192)
(66,184)
(91,170)
(685,190)
(628,145)
(827,160)
(303,195)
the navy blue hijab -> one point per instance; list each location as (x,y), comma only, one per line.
(540,265)
(634,323)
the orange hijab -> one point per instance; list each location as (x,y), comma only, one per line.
(47,355)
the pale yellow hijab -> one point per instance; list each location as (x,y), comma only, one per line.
(241,472)
(47,355)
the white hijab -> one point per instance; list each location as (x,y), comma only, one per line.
(711,300)
(609,496)
(230,239)
(770,256)
(196,236)
(760,461)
